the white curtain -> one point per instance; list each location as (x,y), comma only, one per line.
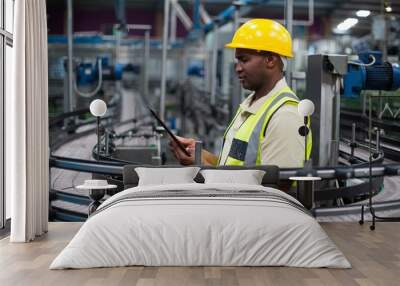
(27,156)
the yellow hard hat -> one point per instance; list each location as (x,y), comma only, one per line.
(263,35)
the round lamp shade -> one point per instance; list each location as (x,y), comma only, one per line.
(98,107)
(306,107)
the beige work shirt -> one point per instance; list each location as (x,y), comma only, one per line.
(283,145)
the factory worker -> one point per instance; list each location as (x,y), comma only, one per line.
(265,129)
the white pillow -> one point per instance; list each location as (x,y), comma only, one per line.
(163,176)
(248,177)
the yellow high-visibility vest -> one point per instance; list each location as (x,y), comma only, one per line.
(246,144)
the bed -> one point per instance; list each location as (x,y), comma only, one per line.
(201,224)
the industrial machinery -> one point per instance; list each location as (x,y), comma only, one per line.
(370,73)
(197,92)
(89,74)
(333,76)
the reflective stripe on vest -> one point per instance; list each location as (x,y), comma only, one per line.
(246,145)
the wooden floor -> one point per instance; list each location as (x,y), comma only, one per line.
(375,256)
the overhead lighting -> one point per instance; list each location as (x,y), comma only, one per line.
(363,13)
(346,24)
(387,6)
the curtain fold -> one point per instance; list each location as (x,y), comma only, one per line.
(27,124)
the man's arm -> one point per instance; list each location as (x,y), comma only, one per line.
(208,158)
(283,145)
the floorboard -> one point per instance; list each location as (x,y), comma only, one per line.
(374,255)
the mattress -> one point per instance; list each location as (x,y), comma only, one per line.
(201,225)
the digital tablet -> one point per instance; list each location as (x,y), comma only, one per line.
(169,132)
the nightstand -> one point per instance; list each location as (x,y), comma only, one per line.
(305,190)
(97,190)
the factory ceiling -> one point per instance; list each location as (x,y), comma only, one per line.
(334,11)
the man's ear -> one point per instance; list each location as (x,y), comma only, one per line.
(270,61)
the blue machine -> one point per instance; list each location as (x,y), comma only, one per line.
(370,73)
(87,73)
(195,68)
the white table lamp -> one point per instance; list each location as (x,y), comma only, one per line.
(98,108)
(305,108)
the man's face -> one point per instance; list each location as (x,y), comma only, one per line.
(251,68)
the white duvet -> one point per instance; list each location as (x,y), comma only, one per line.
(183,231)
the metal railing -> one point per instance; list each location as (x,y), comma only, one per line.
(326,173)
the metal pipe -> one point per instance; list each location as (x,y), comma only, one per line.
(172,34)
(118,38)
(71,99)
(289,27)
(370,159)
(378,139)
(308,22)
(214,67)
(107,143)
(183,17)
(310,13)
(236,17)
(138,27)
(353,139)
(334,143)
(236,89)
(289,15)
(106,167)
(146,53)
(98,137)
(146,62)
(197,152)
(223,17)
(353,132)
(337,108)
(204,15)
(164,60)
(86,165)
(119,6)
(228,14)
(196,15)
(383,43)
(208,70)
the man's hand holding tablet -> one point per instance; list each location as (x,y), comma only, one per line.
(184,148)
(189,145)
